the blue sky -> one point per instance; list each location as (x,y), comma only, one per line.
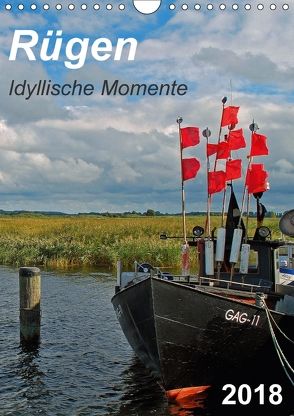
(99,153)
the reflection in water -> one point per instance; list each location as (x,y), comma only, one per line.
(143,396)
(28,371)
(140,393)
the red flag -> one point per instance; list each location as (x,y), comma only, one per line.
(216,181)
(256,167)
(230,116)
(236,139)
(233,169)
(258,145)
(190,168)
(223,151)
(257,179)
(189,136)
(211,149)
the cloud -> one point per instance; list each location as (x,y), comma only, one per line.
(15,109)
(28,170)
(122,154)
(285,166)
(247,67)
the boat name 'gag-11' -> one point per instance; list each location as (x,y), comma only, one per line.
(241,317)
(75,49)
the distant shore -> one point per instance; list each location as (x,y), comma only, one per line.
(64,241)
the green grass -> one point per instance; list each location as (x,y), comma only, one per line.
(94,241)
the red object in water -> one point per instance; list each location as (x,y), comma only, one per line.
(188,397)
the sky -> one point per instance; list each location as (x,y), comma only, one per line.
(121,153)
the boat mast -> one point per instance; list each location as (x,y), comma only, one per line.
(224,100)
(238,232)
(209,197)
(179,121)
(207,133)
(253,128)
(218,262)
(225,190)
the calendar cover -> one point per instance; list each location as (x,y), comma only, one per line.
(171,111)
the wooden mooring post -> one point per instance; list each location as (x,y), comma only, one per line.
(29,304)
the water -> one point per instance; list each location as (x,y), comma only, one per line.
(83,366)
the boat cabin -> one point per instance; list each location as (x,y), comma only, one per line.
(263,268)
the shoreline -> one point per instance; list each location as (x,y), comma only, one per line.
(70,242)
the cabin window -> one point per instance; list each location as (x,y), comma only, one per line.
(286,257)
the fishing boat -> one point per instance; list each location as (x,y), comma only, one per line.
(234,317)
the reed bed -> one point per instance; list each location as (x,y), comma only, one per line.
(97,241)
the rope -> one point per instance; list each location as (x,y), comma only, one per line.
(279,351)
(283,333)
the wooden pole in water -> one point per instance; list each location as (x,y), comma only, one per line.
(29,303)
(118,276)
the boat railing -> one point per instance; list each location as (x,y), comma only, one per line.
(143,270)
(251,287)
(210,281)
